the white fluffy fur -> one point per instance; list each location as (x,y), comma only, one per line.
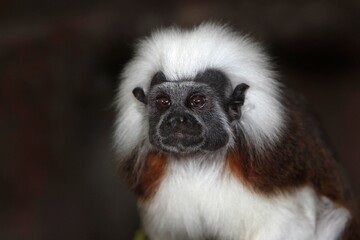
(184,53)
(190,204)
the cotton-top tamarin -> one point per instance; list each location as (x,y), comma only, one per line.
(214,147)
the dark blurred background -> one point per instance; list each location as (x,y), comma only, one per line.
(59,62)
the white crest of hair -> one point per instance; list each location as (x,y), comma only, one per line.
(183,54)
(189,205)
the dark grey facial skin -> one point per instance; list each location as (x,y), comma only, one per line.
(190,116)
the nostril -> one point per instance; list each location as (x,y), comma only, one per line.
(175,121)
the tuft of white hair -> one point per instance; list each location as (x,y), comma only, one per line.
(180,54)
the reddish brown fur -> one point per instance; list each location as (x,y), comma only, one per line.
(233,161)
(144,179)
(151,175)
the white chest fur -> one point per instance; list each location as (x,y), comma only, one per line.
(197,202)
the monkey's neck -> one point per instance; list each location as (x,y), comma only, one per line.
(146,179)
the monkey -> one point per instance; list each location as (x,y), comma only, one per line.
(214,146)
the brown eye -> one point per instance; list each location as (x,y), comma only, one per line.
(163,102)
(197,101)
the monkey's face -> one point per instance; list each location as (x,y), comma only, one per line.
(189,116)
(186,117)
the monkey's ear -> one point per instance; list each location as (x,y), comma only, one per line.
(140,95)
(237,100)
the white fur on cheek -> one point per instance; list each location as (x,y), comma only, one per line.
(131,126)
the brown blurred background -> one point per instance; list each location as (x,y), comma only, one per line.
(59,62)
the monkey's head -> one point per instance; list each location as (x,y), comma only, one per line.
(191,115)
(196,90)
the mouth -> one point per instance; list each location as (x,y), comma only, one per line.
(181,135)
(180,142)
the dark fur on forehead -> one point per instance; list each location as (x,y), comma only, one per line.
(158,78)
(217,80)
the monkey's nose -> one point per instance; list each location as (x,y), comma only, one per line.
(179,126)
(178,120)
